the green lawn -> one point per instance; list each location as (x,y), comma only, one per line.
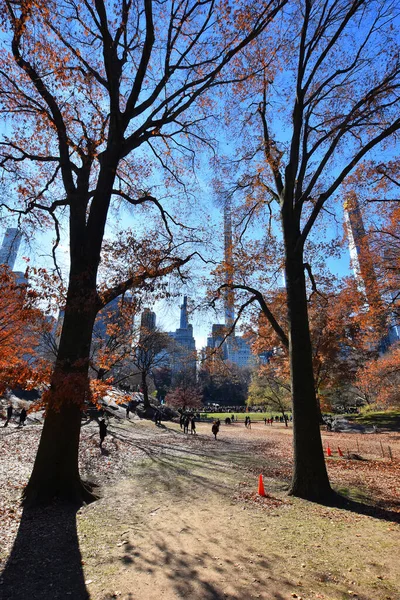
(389,419)
(385,420)
(254,416)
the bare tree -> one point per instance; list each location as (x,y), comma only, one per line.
(329,100)
(87,88)
(149,353)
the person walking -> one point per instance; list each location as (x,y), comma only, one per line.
(22,417)
(215,429)
(102,431)
(248,423)
(193,425)
(186,424)
(9,414)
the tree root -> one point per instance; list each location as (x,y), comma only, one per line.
(73,492)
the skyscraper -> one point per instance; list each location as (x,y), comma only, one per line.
(183,355)
(236,349)
(360,255)
(363,265)
(10,246)
(148,320)
(228,255)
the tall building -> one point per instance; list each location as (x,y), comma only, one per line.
(360,255)
(183,355)
(394,300)
(228,255)
(234,348)
(217,340)
(10,246)
(148,320)
(363,265)
(239,352)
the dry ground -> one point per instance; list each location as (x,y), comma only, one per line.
(179,517)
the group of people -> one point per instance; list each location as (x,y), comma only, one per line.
(247,422)
(281,419)
(185,421)
(22,416)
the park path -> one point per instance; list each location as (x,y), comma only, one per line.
(179,517)
(187,523)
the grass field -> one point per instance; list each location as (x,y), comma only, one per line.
(254,416)
(389,420)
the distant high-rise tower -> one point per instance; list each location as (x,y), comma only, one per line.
(10,246)
(183,323)
(363,266)
(183,356)
(234,348)
(148,320)
(361,259)
(228,255)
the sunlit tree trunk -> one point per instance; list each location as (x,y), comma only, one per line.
(56,472)
(310,478)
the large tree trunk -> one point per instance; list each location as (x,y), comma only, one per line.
(310,478)
(55,473)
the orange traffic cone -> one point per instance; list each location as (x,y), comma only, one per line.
(261,491)
(339,451)
(328,451)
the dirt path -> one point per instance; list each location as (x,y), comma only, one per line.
(187,524)
(180,518)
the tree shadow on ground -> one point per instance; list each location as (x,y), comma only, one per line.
(199,574)
(45,561)
(369,510)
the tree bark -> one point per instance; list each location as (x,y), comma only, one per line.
(310,478)
(56,472)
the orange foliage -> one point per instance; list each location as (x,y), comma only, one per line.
(379,379)
(20,325)
(344,334)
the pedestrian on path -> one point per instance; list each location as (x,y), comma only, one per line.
(215,429)
(102,431)
(186,422)
(22,417)
(193,425)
